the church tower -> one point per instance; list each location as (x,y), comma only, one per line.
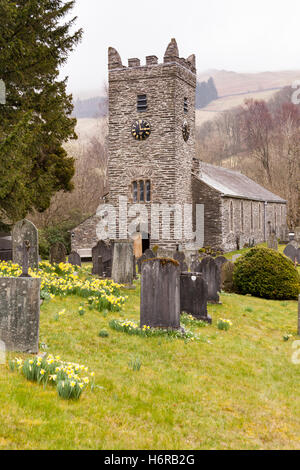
(152,134)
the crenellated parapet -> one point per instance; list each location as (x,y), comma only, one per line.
(171,56)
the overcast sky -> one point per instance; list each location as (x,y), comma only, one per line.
(238,35)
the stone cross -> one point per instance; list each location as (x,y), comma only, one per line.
(25,258)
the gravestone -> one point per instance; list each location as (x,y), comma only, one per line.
(297,235)
(122,272)
(74,259)
(58,253)
(20,314)
(290,251)
(212,275)
(196,266)
(23,231)
(140,261)
(272,242)
(298,256)
(160,293)
(180,257)
(102,255)
(227,276)
(284,234)
(194,295)
(294,244)
(220,260)
(5,249)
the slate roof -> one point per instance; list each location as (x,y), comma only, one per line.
(234,184)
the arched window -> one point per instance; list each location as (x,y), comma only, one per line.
(141,191)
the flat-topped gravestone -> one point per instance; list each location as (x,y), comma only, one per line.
(122,272)
(74,259)
(20,314)
(272,241)
(194,295)
(290,251)
(160,293)
(58,253)
(102,255)
(23,231)
(212,275)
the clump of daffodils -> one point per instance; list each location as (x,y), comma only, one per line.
(70,379)
(224,324)
(132,328)
(62,279)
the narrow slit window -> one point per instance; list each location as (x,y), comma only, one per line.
(142,192)
(148,191)
(185,105)
(135,191)
(142,103)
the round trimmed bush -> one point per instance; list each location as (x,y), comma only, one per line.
(265,273)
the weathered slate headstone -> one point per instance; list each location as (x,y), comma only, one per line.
(227,276)
(290,251)
(194,295)
(20,313)
(272,242)
(180,257)
(5,249)
(284,234)
(102,255)
(122,272)
(160,293)
(58,253)
(23,231)
(212,275)
(74,258)
(220,260)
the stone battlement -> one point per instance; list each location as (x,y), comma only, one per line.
(171,56)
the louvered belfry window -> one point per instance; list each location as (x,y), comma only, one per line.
(142,103)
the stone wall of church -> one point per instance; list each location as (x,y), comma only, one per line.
(84,236)
(245,221)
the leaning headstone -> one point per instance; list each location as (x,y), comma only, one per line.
(20,314)
(23,231)
(102,255)
(58,253)
(194,295)
(290,251)
(212,275)
(220,260)
(74,259)
(122,272)
(273,242)
(160,293)
(227,277)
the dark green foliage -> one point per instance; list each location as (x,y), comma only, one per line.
(54,234)
(35,122)
(266,273)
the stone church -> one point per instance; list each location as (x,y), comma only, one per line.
(152,162)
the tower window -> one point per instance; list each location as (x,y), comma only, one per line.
(185,105)
(141,191)
(142,103)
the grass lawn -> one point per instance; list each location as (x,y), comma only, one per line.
(233,390)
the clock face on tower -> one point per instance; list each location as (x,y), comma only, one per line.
(140,129)
(185,131)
